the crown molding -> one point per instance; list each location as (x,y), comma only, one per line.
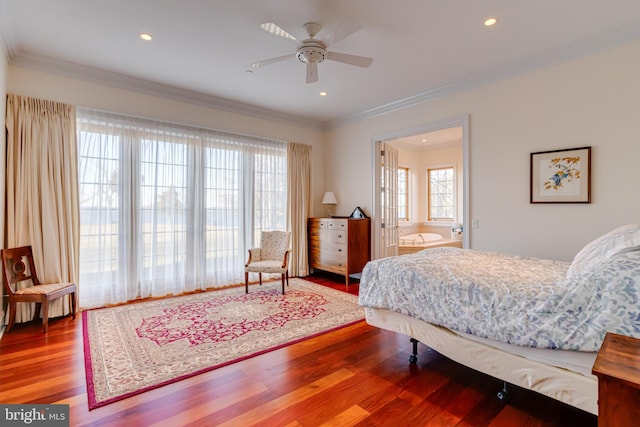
(147,87)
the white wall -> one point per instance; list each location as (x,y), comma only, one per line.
(80,93)
(593,100)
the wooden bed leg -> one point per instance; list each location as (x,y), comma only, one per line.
(413,359)
(504,395)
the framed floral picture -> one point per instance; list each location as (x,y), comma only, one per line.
(561,176)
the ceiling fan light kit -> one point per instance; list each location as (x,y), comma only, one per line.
(312,51)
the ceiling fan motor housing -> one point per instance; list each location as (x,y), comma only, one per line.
(311,51)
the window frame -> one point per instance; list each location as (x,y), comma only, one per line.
(407,172)
(454,195)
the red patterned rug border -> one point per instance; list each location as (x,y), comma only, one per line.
(93,403)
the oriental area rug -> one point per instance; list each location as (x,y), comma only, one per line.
(134,348)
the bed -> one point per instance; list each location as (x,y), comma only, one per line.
(531,322)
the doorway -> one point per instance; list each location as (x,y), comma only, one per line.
(388,158)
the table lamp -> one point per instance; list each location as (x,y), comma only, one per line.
(329,199)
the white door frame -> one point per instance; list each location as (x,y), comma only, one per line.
(456,121)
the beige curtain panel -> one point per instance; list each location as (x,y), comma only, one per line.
(42,191)
(299,200)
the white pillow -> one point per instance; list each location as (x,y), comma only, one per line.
(622,239)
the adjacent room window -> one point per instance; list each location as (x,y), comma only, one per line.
(441,188)
(167,209)
(403,194)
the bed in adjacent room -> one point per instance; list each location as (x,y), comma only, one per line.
(531,322)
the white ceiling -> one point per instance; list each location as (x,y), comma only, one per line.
(202,49)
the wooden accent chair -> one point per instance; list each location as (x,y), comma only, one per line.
(16,270)
(271,257)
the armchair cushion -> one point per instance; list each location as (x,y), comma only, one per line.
(269,266)
(43,289)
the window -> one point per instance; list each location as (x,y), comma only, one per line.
(166,209)
(403,194)
(441,188)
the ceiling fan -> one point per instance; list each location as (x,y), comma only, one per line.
(312,51)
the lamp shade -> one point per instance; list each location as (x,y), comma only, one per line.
(329,198)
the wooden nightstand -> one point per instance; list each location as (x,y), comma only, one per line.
(617,367)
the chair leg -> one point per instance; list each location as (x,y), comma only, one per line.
(73,304)
(282,283)
(12,315)
(246,282)
(36,315)
(260,278)
(45,315)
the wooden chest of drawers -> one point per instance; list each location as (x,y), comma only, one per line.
(339,245)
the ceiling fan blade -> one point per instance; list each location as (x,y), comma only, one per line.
(276,30)
(359,61)
(312,72)
(344,29)
(272,60)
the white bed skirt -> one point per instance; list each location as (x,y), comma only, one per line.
(576,387)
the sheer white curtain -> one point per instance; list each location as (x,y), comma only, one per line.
(167,209)
(41,191)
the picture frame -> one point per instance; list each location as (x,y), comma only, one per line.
(561,176)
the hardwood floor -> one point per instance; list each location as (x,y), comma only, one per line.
(357,375)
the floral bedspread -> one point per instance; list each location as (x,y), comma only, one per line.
(518,300)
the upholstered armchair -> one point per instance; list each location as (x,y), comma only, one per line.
(271,257)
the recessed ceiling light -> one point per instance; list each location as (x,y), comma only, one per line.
(490,22)
(146,36)
(424,139)
(323,93)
